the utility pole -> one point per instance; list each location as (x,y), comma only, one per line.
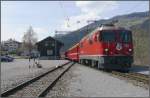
(55,45)
(78,22)
(56,35)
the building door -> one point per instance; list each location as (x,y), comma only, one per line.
(49,52)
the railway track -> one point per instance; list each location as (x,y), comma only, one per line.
(40,85)
(138,77)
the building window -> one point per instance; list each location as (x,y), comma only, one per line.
(46,44)
(53,44)
(49,52)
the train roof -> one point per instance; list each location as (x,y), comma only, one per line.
(110,27)
(104,27)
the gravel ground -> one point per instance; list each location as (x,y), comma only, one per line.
(82,81)
(13,73)
(35,88)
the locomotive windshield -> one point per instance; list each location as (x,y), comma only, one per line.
(108,36)
(111,36)
(125,36)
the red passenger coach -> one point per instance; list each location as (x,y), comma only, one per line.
(72,53)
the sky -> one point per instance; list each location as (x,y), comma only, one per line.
(48,16)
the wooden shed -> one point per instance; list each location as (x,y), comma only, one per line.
(49,48)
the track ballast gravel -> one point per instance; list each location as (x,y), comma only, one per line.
(82,81)
(34,89)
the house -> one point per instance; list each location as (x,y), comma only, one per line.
(49,48)
(11,45)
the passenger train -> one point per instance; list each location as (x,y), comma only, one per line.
(107,47)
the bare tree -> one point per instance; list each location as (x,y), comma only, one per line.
(29,39)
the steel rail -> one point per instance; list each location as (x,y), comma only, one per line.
(134,76)
(51,85)
(26,83)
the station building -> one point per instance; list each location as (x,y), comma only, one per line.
(49,48)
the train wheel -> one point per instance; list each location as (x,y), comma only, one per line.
(98,65)
(107,70)
(80,61)
(92,63)
(84,62)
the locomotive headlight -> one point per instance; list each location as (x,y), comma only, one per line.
(106,49)
(130,50)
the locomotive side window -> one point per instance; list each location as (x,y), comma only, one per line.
(96,37)
(99,36)
(90,40)
(125,36)
(107,36)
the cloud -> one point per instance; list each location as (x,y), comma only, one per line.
(12,32)
(96,7)
(41,32)
(90,10)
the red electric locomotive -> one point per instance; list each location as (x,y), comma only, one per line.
(72,53)
(107,47)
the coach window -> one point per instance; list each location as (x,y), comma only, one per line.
(90,40)
(95,37)
(81,44)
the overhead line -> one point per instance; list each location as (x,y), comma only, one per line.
(64,13)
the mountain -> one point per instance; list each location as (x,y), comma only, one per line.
(138,22)
(141,38)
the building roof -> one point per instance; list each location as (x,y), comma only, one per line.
(11,40)
(49,38)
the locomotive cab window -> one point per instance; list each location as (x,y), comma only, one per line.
(125,36)
(107,36)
